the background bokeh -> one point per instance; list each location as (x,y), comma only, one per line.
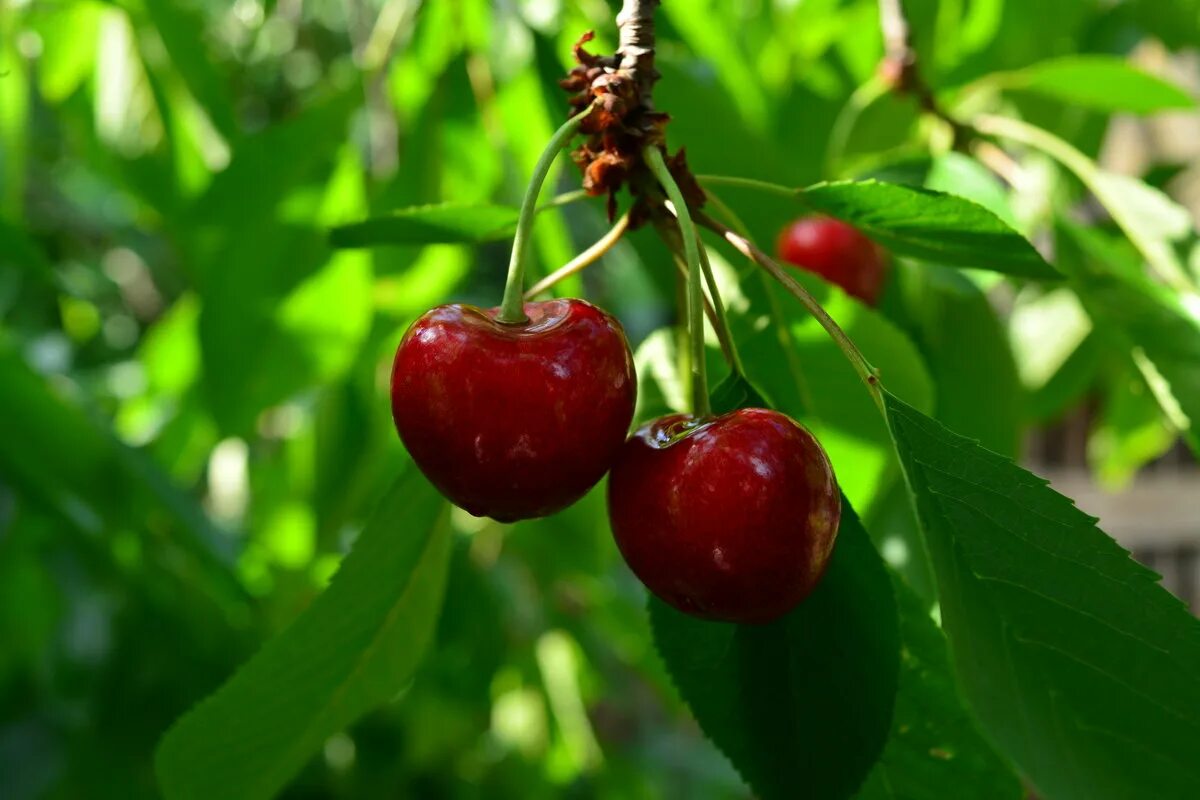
(193,416)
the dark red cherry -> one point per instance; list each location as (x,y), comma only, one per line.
(838,252)
(514,421)
(731,518)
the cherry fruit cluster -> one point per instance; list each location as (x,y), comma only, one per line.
(516,412)
(730,517)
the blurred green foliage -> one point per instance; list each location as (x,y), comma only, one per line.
(193,423)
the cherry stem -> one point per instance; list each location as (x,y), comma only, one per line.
(718,317)
(724,333)
(670,234)
(695,296)
(869,374)
(512,307)
(584,259)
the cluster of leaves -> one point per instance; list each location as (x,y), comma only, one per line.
(193,430)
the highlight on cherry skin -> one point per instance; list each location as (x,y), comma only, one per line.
(838,252)
(731,518)
(514,421)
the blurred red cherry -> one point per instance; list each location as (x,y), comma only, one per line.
(836,251)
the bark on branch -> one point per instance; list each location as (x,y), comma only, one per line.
(636,45)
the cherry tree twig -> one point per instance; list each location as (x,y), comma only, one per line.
(900,70)
(635,22)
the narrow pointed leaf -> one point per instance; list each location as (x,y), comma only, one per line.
(352,650)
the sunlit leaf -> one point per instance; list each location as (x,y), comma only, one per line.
(1107,83)
(1150,323)
(69,46)
(1129,430)
(1153,221)
(182,31)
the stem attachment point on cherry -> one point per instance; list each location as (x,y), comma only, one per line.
(512,307)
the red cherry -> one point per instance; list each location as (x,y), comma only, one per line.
(838,252)
(731,518)
(514,421)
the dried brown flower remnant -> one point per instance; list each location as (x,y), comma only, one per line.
(620,127)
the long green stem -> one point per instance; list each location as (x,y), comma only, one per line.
(782,332)
(670,234)
(584,259)
(724,333)
(716,311)
(695,297)
(793,287)
(512,308)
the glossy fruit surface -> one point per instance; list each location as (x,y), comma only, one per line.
(731,519)
(836,251)
(514,421)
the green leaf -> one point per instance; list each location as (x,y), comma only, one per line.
(95,483)
(1129,431)
(267,326)
(802,705)
(1107,83)
(935,750)
(69,36)
(440,224)
(930,225)
(1153,221)
(353,649)
(1160,332)
(705,28)
(1076,662)
(963,176)
(736,392)
(182,32)
(968,355)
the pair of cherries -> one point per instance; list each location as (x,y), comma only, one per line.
(729,518)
